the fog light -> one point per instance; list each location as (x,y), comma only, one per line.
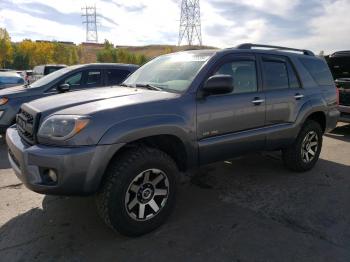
(52,175)
(49,177)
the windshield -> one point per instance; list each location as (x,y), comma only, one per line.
(173,72)
(5,80)
(48,78)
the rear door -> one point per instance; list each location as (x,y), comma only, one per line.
(283,92)
(92,78)
(284,95)
(228,124)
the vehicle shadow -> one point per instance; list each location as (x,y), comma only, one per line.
(4,163)
(341,132)
(229,211)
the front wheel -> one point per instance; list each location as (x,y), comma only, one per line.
(139,191)
(304,153)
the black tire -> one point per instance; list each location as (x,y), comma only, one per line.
(293,156)
(122,172)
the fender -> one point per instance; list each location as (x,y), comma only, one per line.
(314,105)
(145,126)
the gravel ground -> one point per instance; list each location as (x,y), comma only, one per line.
(246,209)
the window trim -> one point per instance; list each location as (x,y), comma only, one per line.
(234,58)
(279,59)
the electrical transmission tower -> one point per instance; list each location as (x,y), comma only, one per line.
(90,20)
(190,22)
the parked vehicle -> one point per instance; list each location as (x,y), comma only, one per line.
(28,77)
(43,70)
(8,79)
(128,145)
(72,78)
(339,63)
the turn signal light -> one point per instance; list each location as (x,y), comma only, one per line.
(3,100)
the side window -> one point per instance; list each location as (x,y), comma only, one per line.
(243,74)
(275,75)
(319,71)
(93,77)
(74,80)
(116,76)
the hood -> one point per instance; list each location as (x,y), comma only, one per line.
(3,86)
(16,91)
(88,101)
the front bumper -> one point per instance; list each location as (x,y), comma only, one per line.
(344,113)
(7,118)
(79,170)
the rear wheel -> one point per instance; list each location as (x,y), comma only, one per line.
(304,153)
(139,191)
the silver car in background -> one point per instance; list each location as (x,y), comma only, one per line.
(9,79)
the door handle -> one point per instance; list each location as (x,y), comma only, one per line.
(257,101)
(298,96)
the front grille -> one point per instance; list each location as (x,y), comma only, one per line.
(26,126)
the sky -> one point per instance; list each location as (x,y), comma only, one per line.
(308,24)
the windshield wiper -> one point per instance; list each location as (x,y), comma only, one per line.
(150,87)
(126,85)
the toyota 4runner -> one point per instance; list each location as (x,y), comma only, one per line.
(127,144)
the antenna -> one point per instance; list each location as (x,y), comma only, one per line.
(90,20)
(190,22)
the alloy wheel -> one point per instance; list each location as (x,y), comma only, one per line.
(147,194)
(309,146)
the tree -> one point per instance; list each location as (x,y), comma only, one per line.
(6,50)
(20,60)
(108,54)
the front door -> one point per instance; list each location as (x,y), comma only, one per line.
(228,124)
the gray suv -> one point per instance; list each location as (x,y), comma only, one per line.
(128,145)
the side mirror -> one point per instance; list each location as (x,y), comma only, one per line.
(62,88)
(218,84)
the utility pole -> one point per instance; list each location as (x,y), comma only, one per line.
(190,23)
(90,20)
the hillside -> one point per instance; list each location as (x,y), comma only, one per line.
(89,50)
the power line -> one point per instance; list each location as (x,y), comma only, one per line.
(190,22)
(90,20)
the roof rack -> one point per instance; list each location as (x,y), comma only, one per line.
(250,46)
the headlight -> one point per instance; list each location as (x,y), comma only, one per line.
(62,127)
(3,100)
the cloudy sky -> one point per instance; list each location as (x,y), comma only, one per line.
(313,24)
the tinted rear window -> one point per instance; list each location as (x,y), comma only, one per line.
(116,76)
(275,75)
(319,71)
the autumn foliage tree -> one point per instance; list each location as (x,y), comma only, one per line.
(6,50)
(27,54)
(110,54)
